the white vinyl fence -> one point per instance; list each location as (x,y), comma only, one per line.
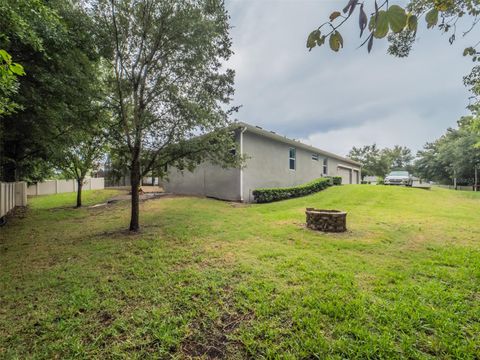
(63,186)
(11,195)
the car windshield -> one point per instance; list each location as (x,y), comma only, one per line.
(398,173)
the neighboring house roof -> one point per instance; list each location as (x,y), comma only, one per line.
(273,135)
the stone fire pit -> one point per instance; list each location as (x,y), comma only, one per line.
(326,220)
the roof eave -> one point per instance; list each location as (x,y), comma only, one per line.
(275,136)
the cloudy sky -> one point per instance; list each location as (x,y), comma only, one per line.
(336,100)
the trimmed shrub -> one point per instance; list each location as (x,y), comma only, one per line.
(276,194)
(336,180)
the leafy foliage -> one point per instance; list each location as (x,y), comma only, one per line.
(452,155)
(276,194)
(379,162)
(336,180)
(80,156)
(54,42)
(9,71)
(393,19)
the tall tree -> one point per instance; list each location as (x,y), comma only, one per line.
(379,162)
(169,84)
(400,157)
(452,155)
(54,42)
(372,160)
(80,157)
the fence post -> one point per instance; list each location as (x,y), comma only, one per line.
(21,193)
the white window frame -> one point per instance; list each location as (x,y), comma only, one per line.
(294,158)
(315,157)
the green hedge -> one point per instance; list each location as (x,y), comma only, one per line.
(337,180)
(275,194)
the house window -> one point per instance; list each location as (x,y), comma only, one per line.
(325,166)
(315,157)
(292,158)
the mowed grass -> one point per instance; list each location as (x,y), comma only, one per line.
(62,200)
(212,279)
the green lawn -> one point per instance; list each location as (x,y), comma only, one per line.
(212,279)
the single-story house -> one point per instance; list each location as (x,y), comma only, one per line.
(272,161)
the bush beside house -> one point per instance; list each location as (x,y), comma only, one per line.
(336,180)
(276,194)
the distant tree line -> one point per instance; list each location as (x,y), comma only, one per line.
(379,162)
(454,157)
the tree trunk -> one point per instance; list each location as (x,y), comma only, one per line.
(135,183)
(79,192)
(9,171)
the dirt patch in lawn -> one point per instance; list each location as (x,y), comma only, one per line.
(213,339)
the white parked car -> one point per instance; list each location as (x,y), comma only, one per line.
(398,178)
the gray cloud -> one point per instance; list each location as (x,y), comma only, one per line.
(335,101)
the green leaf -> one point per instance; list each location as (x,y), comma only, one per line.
(334,15)
(397,18)
(432,18)
(5,56)
(469,51)
(444,5)
(381,25)
(17,69)
(412,23)
(336,41)
(313,38)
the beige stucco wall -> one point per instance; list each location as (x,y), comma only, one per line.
(268,165)
(338,167)
(206,180)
